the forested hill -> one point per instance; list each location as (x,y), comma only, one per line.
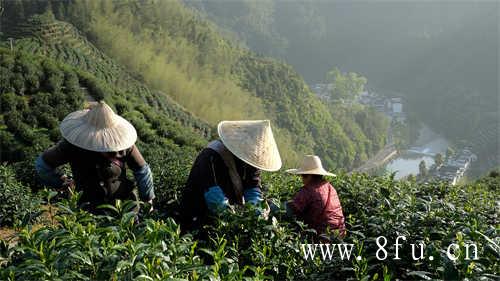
(169,72)
(440,56)
(456,89)
(52,70)
(149,51)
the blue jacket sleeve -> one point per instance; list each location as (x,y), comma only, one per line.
(253,195)
(144,179)
(216,200)
(48,175)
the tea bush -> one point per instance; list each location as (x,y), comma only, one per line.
(17,204)
(244,246)
(37,92)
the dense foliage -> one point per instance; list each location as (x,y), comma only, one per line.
(312,122)
(80,246)
(37,92)
(35,95)
(49,74)
(441,57)
(183,56)
(19,206)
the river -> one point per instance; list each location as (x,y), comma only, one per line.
(428,144)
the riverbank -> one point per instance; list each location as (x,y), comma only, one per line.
(424,148)
(381,158)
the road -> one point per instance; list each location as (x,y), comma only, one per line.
(384,155)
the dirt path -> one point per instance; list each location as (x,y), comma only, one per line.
(10,234)
(7,234)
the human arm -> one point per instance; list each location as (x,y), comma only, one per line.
(142,174)
(210,168)
(252,192)
(46,165)
(299,203)
(252,185)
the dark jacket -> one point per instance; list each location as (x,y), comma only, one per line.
(210,170)
(99,178)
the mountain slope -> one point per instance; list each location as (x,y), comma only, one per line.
(456,90)
(217,80)
(442,57)
(170,49)
(43,35)
(44,78)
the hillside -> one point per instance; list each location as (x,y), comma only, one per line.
(43,35)
(174,51)
(441,57)
(457,89)
(173,76)
(49,74)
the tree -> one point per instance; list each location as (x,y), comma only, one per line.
(345,86)
(411,178)
(422,168)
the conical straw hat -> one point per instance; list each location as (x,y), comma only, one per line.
(252,142)
(98,129)
(311,165)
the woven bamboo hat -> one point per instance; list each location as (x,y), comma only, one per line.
(98,128)
(311,165)
(252,142)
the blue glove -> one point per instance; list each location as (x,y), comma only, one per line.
(48,175)
(216,200)
(253,195)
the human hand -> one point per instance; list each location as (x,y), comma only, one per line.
(253,195)
(151,208)
(67,185)
(265,211)
(216,200)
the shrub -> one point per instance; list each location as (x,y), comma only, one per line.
(87,247)
(18,204)
(243,246)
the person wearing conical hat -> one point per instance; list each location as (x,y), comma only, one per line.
(317,202)
(98,145)
(227,171)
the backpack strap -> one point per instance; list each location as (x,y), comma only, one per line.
(228,159)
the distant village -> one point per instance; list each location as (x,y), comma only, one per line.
(392,107)
(452,170)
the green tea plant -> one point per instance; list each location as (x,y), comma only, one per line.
(81,246)
(18,206)
(40,84)
(242,245)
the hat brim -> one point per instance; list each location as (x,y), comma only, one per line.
(320,172)
(241,138)
(77,131)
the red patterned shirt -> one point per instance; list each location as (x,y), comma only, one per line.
(319,206)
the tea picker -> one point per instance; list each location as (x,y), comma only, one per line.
(226,174)
(99,145)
